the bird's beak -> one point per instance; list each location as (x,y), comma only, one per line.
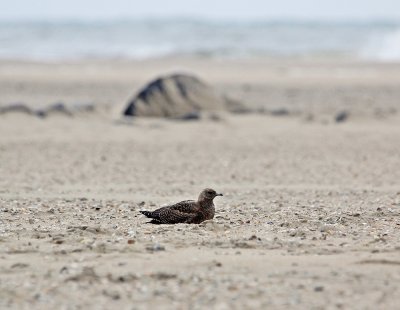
(219,194)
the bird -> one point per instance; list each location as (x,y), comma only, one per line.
(187,211)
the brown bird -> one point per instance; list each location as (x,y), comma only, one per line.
(188,211)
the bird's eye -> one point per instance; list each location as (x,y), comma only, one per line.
(210,192)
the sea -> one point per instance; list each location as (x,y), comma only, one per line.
(155,38)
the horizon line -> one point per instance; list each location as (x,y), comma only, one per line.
(204,18)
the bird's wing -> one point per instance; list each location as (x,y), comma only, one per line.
(186,206)
(173,216)
(181,212)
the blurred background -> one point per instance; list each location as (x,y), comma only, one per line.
(68,30)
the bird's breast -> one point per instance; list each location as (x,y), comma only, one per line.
(208,212)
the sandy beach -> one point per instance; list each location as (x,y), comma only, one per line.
(310,217)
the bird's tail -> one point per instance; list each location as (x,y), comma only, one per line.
(155,217)
(147,213)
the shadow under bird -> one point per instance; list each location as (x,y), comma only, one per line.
(187,211)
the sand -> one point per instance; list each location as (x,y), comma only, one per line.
(310,217)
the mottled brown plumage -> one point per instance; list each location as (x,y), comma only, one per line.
(188,211)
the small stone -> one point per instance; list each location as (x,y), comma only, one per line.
(191,116)
(64,269)
(318,288)
(341,117)
(163,276)
(155,248)
(112,294)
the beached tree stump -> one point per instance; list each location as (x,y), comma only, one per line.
(177,96)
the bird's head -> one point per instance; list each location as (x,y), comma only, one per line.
(208,194)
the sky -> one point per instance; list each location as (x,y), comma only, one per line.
(218,9)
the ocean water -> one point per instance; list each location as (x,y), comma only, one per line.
(141,39)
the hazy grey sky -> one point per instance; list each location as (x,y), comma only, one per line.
(108,9)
